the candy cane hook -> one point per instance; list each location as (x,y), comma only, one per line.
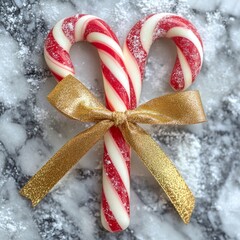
(186,38)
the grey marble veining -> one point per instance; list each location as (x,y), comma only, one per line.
(31,130)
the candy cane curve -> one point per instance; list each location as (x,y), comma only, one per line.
(186,38)
(115,209)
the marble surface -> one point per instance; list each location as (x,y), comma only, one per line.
(31,130)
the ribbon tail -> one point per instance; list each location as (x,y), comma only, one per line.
(161,168)
(45,179)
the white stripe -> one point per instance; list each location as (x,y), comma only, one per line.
(187,73)
(147,31)
(106,40)
(117,160)
(186,33)
(60,37)
(56,66)
(116,70)
(113,97)
(80,26)
(133,71)
(115,203)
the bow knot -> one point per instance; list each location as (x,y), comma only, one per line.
(74,100)
(119,117)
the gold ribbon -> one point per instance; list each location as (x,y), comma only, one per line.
(74,100)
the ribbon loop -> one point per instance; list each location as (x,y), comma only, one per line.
(179,108)
(74,100)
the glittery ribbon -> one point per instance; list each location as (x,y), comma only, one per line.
(75,101)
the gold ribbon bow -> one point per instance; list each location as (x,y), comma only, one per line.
(74,100)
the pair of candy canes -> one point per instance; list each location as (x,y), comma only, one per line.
(123,72)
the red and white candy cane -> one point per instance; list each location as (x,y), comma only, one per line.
(116,165)
(120,93)
(181,32)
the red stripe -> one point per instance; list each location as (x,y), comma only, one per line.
(116,181)
(177,78)
(96,26)
(191,54)
(109,30)
(133,100)
(117,86)
(113,224)
(111,52)
(165,24)
(68,27)
(135,47)
(189,26)
(121,143)
(168,22)
(56,51)
(133,42)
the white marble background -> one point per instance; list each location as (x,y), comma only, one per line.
(31,130)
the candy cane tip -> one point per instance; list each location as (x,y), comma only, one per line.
(117,225)
(125,224)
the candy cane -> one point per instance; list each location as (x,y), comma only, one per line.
(186,38)
(116,164)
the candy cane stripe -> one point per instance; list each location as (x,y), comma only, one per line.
(186,70)
(116,180)
(118,72)
(113,97)
(148,28)
(134,74)
(110,79)
(106,40)
(117,207)
(186,33)
(81,25)
(119,161)
(57,66)
(108,219)
(58,33)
